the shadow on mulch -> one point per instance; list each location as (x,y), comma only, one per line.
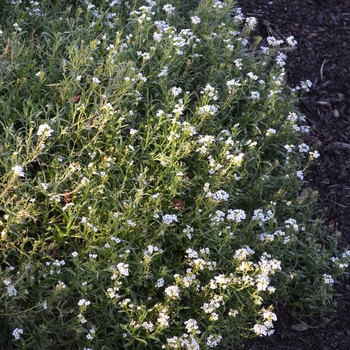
(322,29)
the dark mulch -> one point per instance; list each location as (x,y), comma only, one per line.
(322,29)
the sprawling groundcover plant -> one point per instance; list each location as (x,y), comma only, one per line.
(151,179)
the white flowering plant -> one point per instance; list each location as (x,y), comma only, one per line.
(152,191)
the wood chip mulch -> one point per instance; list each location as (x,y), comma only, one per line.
(322,29)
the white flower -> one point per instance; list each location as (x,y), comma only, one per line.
(300,174)
(252,76)
(82,319)
(82,302)
(18,29)
(255,95)
(160,282)
(260,329)
(157,36)
(96,80)
(272,41)
(169,218)
(328,279)
(291,41)
(172,292)
(233,82)
(123,269)
(242,253)
(303,147)
(131,223)
(12,291)
(149,326)
(262,282)
(208,109)
(163,72)
(213,340)
(44,129)
(269,315)
(270,132)
(238,63)
(191,326)
(218,216)
(265,49)
(176,91)
(289,148)
(251,22)
(195,20)
(281,59)
(236,215)
(163,319)
(18,170)
(314,154)
(220,195)
(17,333)
(306,85)
(168,9)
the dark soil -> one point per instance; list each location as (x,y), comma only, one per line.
(322,29)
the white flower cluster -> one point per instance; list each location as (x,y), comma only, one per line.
(163,318)
(18,170)
(342,263)
(266,328)
(231,83)
(270,237)
(112,292)
(213,340)
(151,250)
(217,196)
(208,110)
(262,217)
(195,20)
(11,290)
(45,130)
(120,269)
(169,9)
(198,263)
(251,22)
(218,4)
(172,292)
(328,279)
(85,221)
(272,41)
(185,342)
(176,91)
(189,280)
(17,333)
(168,219)
(213,304)
(192,326)
(123,268)
(210,92)
(83,302)
(243,253)
(205,142)
(148,326)
(236,215)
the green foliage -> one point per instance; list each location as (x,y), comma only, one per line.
(151,178)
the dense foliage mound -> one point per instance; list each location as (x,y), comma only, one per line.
(151,179)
